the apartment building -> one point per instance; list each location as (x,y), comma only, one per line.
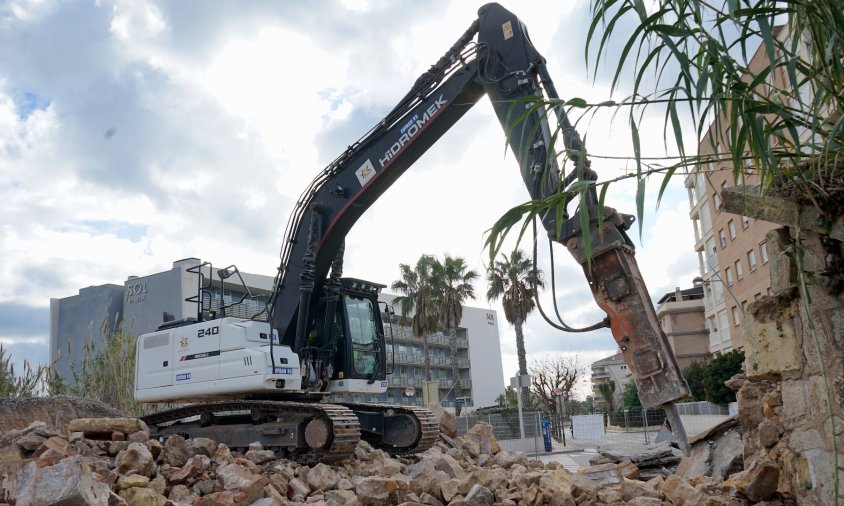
(732,251)
(142,303)
(478,359)
(609,370)
(681,317)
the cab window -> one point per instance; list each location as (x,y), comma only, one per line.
(363,333)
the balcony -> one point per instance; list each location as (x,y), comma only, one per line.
(419,359)
(447,383)
(462,363)
(409,358)
(438,339)
(600,374)
(404,381)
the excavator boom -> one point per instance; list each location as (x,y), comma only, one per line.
(311,305)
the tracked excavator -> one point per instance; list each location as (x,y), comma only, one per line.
(267,378)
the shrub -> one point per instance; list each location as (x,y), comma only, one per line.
(694,375)
(722,368)
(630,396)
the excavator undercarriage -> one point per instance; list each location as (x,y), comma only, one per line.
(301,431)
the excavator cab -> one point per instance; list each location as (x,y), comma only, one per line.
(354,342)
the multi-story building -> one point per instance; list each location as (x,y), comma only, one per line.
(477,344)
(609,370)
(732,252)
(142,303)
(681,317)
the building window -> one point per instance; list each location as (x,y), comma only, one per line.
(716,199)
(724,325)
(705,217)
(763,248)
(739,270)
(711,256)
(736,316)
(718,290)
(732,228)
(751,260)
(757,296)
(745,222)
(700,185)
(723,237)
(730,279)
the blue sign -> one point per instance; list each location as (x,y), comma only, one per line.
(283,370)
(546,434)
(182,377)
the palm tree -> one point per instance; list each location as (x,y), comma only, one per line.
(417,300)
(516,281)
(607,391)
(452,284)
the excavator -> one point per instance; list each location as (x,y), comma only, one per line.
(268,378)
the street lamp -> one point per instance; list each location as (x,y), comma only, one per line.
(699,281)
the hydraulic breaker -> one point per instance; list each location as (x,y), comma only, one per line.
(618,288)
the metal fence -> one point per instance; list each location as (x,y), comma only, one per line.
(642,425)
(505,426)
(621,427)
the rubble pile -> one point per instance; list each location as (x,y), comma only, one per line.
(113,462)
(659,460)
(56,411)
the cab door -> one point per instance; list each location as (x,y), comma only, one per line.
(365,354)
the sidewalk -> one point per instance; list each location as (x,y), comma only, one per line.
(573,455)
(558,448)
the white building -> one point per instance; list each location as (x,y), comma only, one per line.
(142,303)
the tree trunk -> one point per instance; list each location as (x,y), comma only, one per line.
(520,350)
(455,370)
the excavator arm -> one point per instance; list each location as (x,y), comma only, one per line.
(503,65)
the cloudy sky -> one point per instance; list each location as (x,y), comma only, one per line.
(135,133)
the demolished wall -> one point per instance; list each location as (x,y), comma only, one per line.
(791,397)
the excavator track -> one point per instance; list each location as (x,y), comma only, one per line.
(305,432)
(425,423)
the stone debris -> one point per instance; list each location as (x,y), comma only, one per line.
(660,459)
(716,453)
(468,470)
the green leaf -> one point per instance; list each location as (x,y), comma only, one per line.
(580,186)
(671,30)
(640,186)
(678,129)
(602,196)
(560,219)
(664,184)
(585,231)
(623,58)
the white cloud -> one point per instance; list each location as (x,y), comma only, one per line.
(173,132)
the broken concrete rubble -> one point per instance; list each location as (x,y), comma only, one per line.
(181,471)
(716,453)
(660,459)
